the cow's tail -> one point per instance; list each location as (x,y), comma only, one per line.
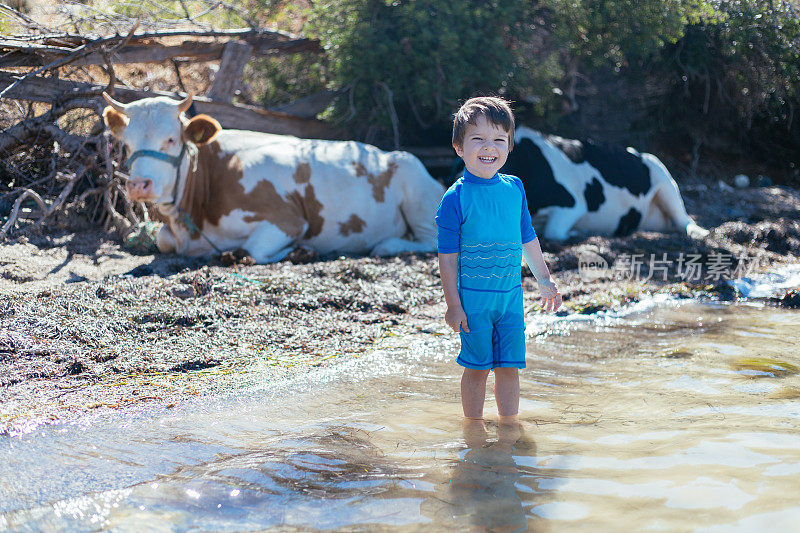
(421,197)
(668,199)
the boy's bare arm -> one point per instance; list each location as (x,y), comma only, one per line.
(455,316)
(532,253)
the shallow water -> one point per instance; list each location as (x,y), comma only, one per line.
(680,418)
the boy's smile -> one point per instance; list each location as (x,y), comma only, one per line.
(485,148)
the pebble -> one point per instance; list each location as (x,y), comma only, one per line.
(741,181)
(724,186)
(183,291)
(791,299)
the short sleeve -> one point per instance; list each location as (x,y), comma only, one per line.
(448,218)
(526,225)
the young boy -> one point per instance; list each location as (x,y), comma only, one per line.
(484,232)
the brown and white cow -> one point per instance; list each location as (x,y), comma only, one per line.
(229,189)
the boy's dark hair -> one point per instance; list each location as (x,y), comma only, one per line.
(496,110)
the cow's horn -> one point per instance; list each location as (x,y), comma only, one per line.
(119,106)
(186,102)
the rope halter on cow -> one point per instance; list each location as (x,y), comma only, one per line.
(175,161)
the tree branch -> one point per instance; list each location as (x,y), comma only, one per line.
(77,54)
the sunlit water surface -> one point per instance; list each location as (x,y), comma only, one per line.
(680,418)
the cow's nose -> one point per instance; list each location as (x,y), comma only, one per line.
(139,188)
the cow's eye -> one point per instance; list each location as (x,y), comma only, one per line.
(171,140)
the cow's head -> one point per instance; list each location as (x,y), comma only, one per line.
(156,132)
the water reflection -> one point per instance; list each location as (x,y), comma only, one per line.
(484,481)
(651,423)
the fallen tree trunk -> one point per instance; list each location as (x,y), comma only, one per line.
(231,116)
(74,40)
(17,53)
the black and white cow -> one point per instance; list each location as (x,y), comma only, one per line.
(588,188)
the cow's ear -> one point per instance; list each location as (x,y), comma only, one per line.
(201,129)
(115,121)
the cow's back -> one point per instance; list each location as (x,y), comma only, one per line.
(350,192)
(609,187)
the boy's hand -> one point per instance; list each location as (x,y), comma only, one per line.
(551,298)
(456,318)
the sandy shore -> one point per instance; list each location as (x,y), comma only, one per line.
(88,327)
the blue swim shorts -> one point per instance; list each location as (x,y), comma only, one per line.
(496,335)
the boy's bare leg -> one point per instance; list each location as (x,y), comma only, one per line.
(473,392)
(506,391)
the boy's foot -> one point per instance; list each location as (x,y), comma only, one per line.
(475,434)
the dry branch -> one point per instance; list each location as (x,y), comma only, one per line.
(12,218)
(142,49)
(65,192)
(237,33)
(22,132)
(73,56)
(231,116)
(48,158)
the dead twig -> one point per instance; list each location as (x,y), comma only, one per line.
(113,218)
(63,196)
(109,69)
(177,74)
(392,114)
(82,51)
(12,218)
(90,192)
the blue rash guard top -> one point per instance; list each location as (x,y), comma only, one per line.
(486,221)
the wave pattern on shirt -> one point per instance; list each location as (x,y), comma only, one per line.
(490,266)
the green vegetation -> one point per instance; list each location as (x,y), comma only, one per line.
(278,80)
(766,366)
(407,64)
(602,32)
(709,75)
(739,78)
(726,73)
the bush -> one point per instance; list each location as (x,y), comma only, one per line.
(407,64)
(726,73)
(602,32)
(279,80)
(738,80)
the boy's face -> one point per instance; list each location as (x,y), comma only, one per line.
(485,148)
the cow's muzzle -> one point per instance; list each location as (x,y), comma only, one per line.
(140,189)
(146,184)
